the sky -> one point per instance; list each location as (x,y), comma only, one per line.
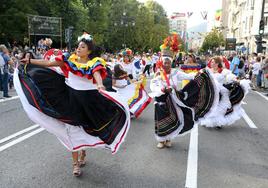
(195,6)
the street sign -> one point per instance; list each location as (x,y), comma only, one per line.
(43,25)
(230,43)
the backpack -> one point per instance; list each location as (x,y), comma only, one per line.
(2,61)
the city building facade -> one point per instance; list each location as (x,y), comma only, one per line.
(178,23)
(241,20)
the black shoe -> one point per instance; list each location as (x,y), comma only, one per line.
(218,127)
(7,96)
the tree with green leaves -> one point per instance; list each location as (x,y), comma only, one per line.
(213,40)
(111,22)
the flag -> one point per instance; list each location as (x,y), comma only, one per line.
(189,14)
(181,34)
(218,14)
(204,14)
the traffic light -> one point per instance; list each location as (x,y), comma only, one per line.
(260,42)
(261,27)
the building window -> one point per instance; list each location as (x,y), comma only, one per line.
(251,22)
(246,24)
(252,4)
(265,20)
(234,19)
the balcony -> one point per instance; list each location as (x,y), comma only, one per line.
(266,30)
(236,11)
(240,2)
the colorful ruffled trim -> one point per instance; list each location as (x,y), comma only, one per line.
(83,70)
(137,96)
(190,68)
(140,94)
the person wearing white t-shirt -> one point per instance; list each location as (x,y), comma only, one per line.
(255,71)
(149,63)
(127,65)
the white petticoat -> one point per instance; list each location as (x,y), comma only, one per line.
(74,138)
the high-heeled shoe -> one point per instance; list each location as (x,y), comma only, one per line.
(82,160)
(168,144)
(76,169)
(160,145)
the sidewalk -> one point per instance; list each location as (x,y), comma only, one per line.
(263,91)
(11,92)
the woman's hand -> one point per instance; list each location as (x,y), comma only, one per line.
(97,77)
(167,90)
(101,87)
(201,71)
(14,58)
(25,61)
(157,73)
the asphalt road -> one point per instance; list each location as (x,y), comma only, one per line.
(233,157)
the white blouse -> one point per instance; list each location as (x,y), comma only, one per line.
(175,78)
(122,82)
(127,67)
(225,77)
(79,83)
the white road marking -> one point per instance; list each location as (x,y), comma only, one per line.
(266,98)
(192,164)
(18,133)
(249,121)
(20,139)
(9,99)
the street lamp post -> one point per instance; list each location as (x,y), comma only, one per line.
(125,23)
(124,45)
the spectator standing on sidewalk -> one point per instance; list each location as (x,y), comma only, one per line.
(241,67)
(260,79)
(265,73)
(234,64)
(6,60)
(255,71)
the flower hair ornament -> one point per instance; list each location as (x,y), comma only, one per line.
(85,36)
(171,43)
(168,49)
(127,52)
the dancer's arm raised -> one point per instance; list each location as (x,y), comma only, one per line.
(42,62)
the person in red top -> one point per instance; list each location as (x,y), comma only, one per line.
(225,63)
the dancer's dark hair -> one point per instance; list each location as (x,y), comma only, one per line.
(96,51)
(118,71)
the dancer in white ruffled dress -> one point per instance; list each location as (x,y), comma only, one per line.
(232,92)
(75,106)
(177,110)
(132,92)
